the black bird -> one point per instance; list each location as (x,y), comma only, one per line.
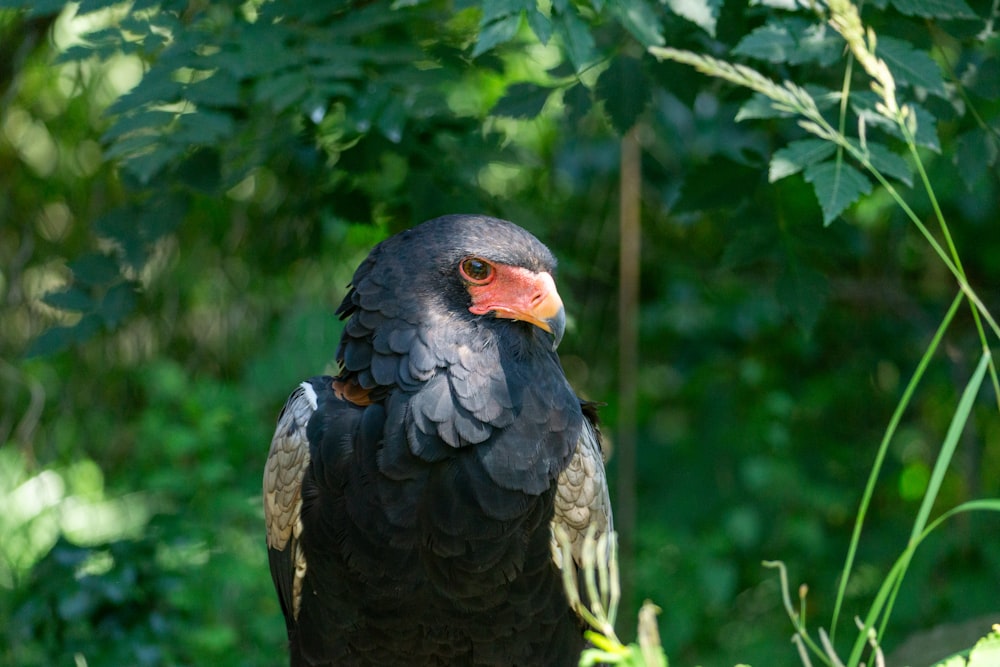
(410,501)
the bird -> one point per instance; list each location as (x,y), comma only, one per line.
(410,500)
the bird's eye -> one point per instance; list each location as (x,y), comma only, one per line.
(475,270)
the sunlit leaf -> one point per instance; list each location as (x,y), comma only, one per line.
(539,24)
(910,65)
(793,41)
(889,163)
(495,33)
(703,13)
(798,155)
(638,17)
(576,38)
(837,186)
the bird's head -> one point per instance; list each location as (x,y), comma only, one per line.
(467,267)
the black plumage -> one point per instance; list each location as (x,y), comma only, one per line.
(410,500)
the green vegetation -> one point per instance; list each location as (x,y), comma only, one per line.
(185,190)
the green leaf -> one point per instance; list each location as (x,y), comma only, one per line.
(792,41)
(909,65)
(152,120)
(522,100)
(94,268)
(496,33)
(51,341)
(70,299)
(796,156)
(863,104)
(940,9)
(59,338)
(282,91)
(539,24)
(975,153)
(118,303)
(771,42)
(144,166)
(640,20)
(202,127)
(625,91)
(576,39)
(219,90)
(837,186)
(889,163)
(156,87)
(577,103)
(494,10)
(703,13)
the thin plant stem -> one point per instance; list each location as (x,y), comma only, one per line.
(883,449)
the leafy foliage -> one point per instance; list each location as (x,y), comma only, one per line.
(185,190)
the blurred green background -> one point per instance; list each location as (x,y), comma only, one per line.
(185,189)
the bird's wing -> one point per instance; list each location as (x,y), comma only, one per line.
(286,465)
(582,499)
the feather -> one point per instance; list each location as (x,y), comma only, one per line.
(409,502)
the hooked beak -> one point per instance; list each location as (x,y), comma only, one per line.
(520,294)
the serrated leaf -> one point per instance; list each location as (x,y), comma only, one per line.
(522,100)
(94,268)
(202,127)
(910,66)
(498,9)
(792,41)
(837,186)
(576,39)
(941,9)
(889,163)
(539,24)
(496,33)
(155,88)
(70,299)
(703,13)
(771,42)
(151,120)
(144,166)
(798,155)
(863,104)
(640,20)
(625,91)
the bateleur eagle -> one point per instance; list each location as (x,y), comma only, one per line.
(410,500)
